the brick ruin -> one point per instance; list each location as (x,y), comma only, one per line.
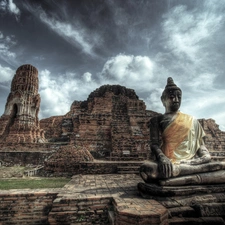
(109,199)
(112,123)
(19,123)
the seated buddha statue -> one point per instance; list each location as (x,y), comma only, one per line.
(177,142)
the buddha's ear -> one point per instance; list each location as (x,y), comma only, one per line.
(162,101)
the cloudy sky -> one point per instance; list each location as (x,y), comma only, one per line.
(79,45)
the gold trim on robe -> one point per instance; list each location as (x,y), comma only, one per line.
(182,138)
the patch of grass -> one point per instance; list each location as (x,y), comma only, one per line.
(6,184)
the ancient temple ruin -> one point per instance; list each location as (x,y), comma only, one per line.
(19,123)
(112,123)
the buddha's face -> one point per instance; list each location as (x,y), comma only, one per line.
(172,101)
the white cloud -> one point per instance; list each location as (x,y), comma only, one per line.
(5,52)
(13,8)
(131,71)
(59,92)
(87,76)
(200,98)
(10,6)
(203,82)
(148,79)
(6,42)
(191,54)
(210,104)
(153,101)
(3,5)
(6,74)
(76,35)
(54,95)
(187,31)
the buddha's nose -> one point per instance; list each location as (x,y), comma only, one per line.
(176,99)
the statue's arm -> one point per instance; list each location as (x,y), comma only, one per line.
(203,156)
(154,137)
(164,164)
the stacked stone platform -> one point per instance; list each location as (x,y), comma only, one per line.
(89,199)
(108,199)
(196,204)
(26,207)
(95,167)
(99,199)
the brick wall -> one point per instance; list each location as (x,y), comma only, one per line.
(80,211)
(41,207)
(96,167)
(23,158)
(25,207)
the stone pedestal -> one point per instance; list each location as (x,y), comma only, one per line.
(190,204)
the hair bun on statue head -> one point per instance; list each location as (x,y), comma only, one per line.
(170,83)
(169,86)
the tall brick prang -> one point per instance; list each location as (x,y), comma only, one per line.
(19,123)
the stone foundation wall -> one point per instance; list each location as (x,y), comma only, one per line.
(25,207)
(42,207)
(23,158)
(80,211)
(91,168)
(215,138)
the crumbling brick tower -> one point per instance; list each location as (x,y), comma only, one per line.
(19,123)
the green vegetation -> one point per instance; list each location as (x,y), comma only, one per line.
(38,182)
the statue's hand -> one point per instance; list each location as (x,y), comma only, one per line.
(165,166)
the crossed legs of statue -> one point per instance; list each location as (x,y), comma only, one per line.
(208,173)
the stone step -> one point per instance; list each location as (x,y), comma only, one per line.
(217,153)
(25,222)
(131,159)
(185,211)
(211,209)
(128,167)
(111,217)
(128,172)
(17,221)
(121,158)
(196,221)
(139,211)
(218,158)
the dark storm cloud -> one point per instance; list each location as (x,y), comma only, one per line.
(78,45)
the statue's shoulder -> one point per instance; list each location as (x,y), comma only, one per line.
(187,116)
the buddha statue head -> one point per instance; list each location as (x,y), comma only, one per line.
(171,96)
